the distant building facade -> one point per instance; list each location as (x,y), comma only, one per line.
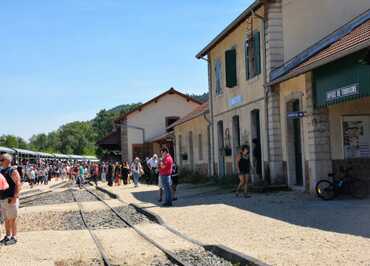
(142,131)
(192,141)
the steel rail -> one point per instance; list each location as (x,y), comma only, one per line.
(170,255)
(98,245)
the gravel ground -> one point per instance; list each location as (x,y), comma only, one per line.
(103,219)
(45,221)
(60,196)
(200,257)
(286,228)
(132,215)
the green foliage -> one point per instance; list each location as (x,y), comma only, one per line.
(78,137)
(201,97)
(11,141)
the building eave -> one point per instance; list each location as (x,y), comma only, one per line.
(236,22)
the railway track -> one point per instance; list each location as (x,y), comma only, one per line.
(170,255)
(98,244)
(183,258)
(96,212)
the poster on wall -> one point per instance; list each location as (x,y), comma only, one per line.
(356,137)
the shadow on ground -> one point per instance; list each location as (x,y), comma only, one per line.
(343,215)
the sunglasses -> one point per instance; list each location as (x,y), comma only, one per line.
(1,160)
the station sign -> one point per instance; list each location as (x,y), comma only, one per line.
(237,100)
(295,115)
(343,92)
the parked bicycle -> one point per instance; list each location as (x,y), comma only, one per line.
(343,183)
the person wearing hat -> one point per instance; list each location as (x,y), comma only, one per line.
(9,199)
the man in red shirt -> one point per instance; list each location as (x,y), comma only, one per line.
(165,172)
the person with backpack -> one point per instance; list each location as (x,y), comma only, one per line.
(9,199)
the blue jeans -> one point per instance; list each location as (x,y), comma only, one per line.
(166,183)
(136,179)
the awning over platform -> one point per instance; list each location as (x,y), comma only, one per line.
(112,141)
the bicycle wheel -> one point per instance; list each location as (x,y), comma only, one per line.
(325,190)
(358,189)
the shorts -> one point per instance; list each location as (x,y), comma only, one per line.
(175,180)
(9,211)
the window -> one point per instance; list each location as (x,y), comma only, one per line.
(200,147)
(252,52)
(218,75)
(170,120)
(230,68)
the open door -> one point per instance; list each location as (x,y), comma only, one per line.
(295,156)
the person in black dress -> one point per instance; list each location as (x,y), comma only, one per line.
(243,171)
(110,174)
(125,172)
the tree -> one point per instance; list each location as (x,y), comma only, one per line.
(102,124)
(12,141)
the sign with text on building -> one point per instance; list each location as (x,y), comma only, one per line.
(237,100)
(294,115)
(343,92)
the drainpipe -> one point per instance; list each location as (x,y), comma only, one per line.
(211,121)
(266,88)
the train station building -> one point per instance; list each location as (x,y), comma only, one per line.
(322,107)
(142,131)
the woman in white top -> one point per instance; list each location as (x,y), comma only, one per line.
(136,170)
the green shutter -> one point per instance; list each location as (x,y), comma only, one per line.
(230,68)
(257,52)
(246,58)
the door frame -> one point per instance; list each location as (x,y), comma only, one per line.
(291,172)
(253,127)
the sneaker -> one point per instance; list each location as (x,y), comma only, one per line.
(10,241)
(2,241)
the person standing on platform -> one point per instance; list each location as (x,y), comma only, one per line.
(165,172)
(10,199)
(137,171)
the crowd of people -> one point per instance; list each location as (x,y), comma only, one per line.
(161,170)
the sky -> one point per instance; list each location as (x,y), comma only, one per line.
(65,60)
